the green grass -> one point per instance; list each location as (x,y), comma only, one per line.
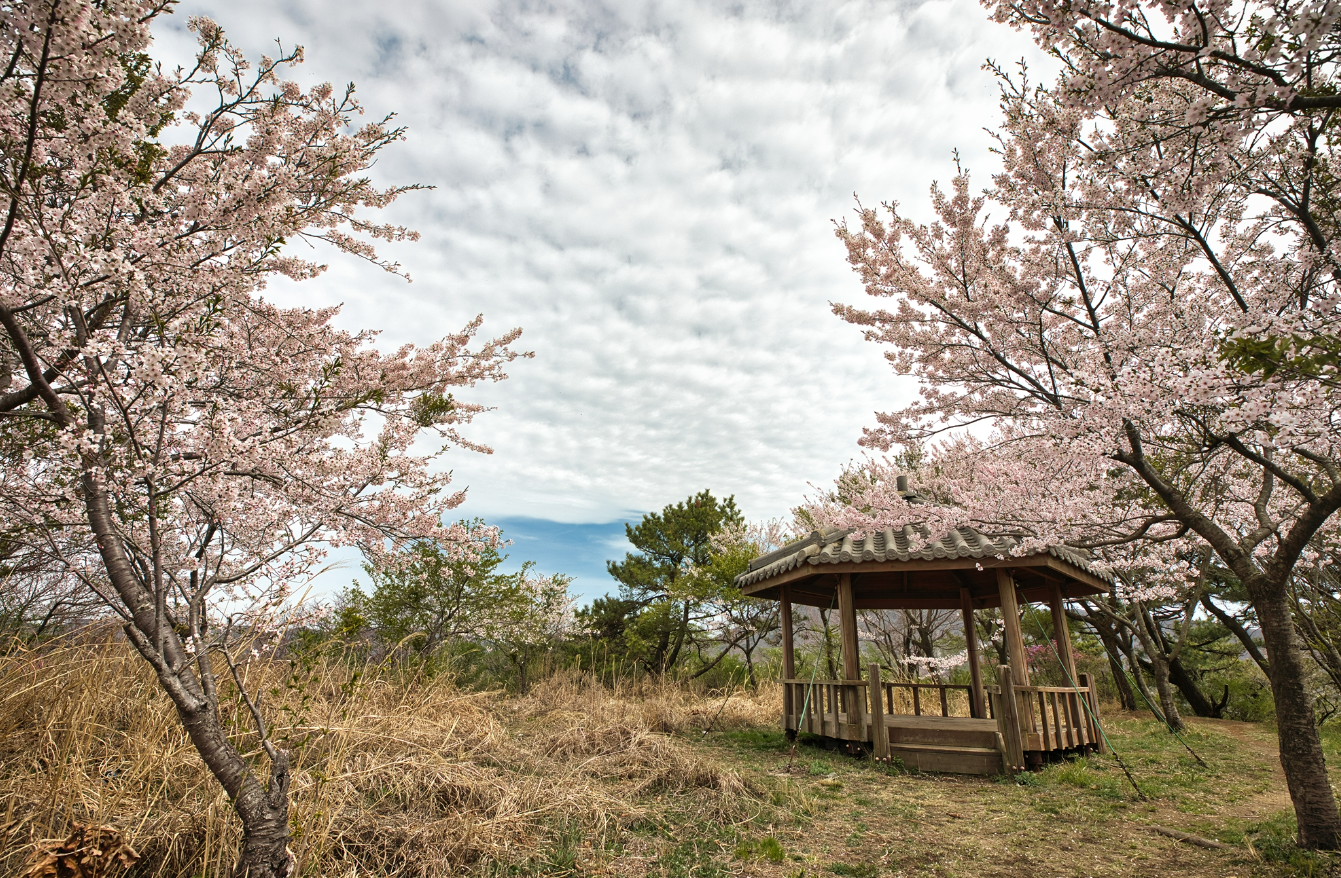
(864,870)
(823,809)
(767,848)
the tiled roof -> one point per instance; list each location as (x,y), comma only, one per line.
(834,546)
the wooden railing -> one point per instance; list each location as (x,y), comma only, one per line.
(899,697)
(836,708)
(1038,719)
(1031,720)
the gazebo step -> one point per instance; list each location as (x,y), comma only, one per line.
(953,732)
(953,760)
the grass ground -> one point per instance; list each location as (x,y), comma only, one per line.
(410,777)
(820,813)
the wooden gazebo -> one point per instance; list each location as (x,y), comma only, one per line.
(973,729)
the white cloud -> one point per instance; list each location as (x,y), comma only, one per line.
(647,189)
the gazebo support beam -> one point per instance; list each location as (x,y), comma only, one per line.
(847,622)
(977,709)
(1061,633)
(1010,620)
(788,663)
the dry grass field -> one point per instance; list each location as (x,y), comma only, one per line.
(399,775)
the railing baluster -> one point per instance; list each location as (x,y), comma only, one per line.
(945,705)
(1074,708)
(1057,718)
(1043,724)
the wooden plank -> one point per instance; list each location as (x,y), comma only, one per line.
(1056,716)
(951,760)
(1087,683)
(1077,721)
(1064,702)
(1061,634)
(1042,699)
(855,700)
(1081,582)
(825,713)
(952,731)
(879,734)
(815,725)
(950,686)
(847,622)
(1008,722)
(1010,618)
(971,646)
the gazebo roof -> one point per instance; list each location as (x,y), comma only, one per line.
(888,572)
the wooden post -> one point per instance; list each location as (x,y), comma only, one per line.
(976,708)
(1060,632)
(1008,723)
(1092,697)
(847,620)
(1010,619)
(853,698)
(879,734)
(788,660)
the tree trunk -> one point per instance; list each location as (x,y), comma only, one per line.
(1120,680)
(264,811)
(1148,698)
(1192,694)
(1108,636)
(1165,690)
(1300,746)
(679,642)
(1126,697)
(1159,668)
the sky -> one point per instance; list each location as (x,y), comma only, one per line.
(648,189)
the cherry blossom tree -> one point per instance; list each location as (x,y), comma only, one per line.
(184,448)
(1132,357)
(532,613)
(736,623)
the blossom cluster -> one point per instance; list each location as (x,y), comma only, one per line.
(168,436)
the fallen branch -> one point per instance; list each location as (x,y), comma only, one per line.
(1192,839)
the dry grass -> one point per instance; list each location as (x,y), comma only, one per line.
(399,775)
(393,775)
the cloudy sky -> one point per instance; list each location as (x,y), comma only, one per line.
(648,189)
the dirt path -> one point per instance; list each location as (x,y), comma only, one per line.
(1263,743)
